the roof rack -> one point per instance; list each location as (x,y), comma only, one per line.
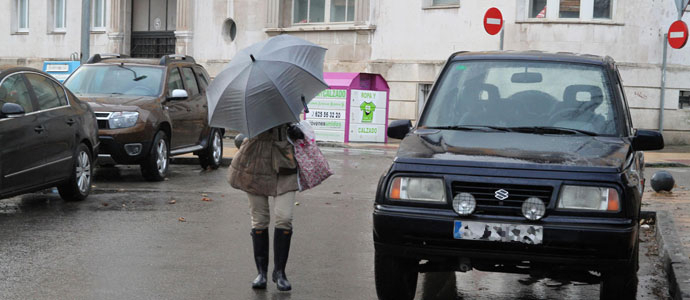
(101,56)
(166,59)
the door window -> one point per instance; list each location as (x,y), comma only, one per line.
(174,81)
(190,81)
(201,78)
(45,92)
(14,90)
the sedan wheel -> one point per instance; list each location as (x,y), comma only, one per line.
(83,171)
(79,184)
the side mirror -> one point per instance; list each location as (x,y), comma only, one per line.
(178,94)
(647,140)
(11,110)
(398,129)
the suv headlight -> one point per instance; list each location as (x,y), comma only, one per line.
(589,198)
(418,189)
(123,119)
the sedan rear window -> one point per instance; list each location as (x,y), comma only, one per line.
(519,94)
(116,79)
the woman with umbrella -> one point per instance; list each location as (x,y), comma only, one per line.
(260,93)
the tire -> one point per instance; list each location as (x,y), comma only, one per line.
(622,282)
(155,166)
(212,156)
(396,278)
(79,185)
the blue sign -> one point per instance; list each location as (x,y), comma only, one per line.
(60,69)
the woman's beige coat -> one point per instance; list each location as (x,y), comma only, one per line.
(265,164)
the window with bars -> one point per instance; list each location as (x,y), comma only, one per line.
(684,100)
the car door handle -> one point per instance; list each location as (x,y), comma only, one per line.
(70,122)
(39,129)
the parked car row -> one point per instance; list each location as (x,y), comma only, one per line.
(121,110)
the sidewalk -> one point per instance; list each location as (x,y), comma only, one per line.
(672,227)
(671,156)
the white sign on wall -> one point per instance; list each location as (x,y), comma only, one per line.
(367,116)
(327,115)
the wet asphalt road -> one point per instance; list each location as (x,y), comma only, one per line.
(126,241)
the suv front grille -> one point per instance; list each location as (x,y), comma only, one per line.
(485,195)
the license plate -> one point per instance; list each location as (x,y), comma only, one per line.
(497,232)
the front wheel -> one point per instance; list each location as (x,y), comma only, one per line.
(212,156)
(396,278)
(621,283)
(79,185)
(155,166)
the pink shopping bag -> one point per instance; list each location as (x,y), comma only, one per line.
(312,165)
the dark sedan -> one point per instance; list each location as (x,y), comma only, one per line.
(48,136)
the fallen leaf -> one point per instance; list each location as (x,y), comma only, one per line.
(172,201)
(204,195)
(207,199)
(296,203)
(182,219)
(105,204)
(336,193)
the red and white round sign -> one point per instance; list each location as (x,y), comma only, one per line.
(493,21)
(678,34)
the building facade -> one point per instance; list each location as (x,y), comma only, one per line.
(406,41)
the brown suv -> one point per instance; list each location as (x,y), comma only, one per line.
(149,109)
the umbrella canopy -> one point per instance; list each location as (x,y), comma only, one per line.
(264,85)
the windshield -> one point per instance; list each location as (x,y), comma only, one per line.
(116,79)
(523,94)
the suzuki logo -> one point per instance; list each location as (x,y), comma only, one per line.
(501,194)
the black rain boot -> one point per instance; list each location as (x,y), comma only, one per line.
(260,242)
(281,248)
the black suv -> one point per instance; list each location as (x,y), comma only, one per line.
(149,109)
(521,162)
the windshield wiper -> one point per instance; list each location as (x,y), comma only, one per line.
(469,127)
(551,130)
(136,78)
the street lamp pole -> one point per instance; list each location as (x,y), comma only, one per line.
(85,30)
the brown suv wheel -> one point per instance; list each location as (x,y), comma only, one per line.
(155,166)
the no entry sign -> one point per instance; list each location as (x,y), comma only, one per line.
(678,34)
(493,21)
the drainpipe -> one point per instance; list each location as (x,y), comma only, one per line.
(85,29)
(663,86)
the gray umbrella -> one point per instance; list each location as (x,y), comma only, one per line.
(266,84)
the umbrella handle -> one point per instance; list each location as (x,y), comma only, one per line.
(304,102)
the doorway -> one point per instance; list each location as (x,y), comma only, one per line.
(153,27)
